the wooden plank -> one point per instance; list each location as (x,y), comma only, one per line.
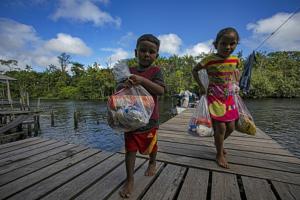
(25,149)
(14,123)
(83,181)
(141,182)
(246,154)
(210,154)
(102,188)
(167,183)
(49,184)
(195,185)
(281,176)
(184,127)
(17,143)
(20,172)
(15,165)
(234,136)
(26,181)
(224,186)
(250,143)
(227,146)
(287,191)
(257,189)
(28,154)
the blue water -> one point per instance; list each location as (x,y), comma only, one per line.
(277,117)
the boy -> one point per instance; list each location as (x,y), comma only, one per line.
(143,139)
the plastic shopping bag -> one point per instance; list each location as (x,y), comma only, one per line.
(200,123)
(130,108)
(121,71)
(245,124)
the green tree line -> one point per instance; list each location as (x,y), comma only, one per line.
(274,74)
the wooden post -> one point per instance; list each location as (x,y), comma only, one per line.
(29,129)
(35,125)
(75,120)
(52,118)
(38,122)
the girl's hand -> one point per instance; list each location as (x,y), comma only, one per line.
(202,91)
(136,79)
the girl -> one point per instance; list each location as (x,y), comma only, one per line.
(221,69)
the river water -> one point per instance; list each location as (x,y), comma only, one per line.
(279,118)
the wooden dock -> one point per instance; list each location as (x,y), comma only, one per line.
(260,169)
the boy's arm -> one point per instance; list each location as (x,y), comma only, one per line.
(197,79)
(151,86)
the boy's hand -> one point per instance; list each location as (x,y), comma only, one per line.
(136,79)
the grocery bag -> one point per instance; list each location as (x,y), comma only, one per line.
(245,123)
(130,108)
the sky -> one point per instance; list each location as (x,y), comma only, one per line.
(35,32)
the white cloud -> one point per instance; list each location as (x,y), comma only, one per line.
(169,43)
(21,42)
(127,40)
(199,48)
(118,54)
(84,11)
(285,39)
(15,35)
(68,44)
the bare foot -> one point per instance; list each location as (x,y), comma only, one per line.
(151,169)
(222,162)
(224,152)
(127,189)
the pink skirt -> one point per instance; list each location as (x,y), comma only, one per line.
(222,109)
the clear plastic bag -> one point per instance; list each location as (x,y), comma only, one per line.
(130,108)
(200,123)
(121,71)
(245,124)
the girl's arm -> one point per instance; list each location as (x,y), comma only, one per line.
(197,79)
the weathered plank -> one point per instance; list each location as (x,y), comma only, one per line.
(15,165)
(141,183)
(49,184)
(209,154)
(83,181)
(229,146)
(257,189)
(166,185)
(195,185)
(102,188)
(224,186)
(18,143)
(25,149)
(26,181)
(287,191)
(20,172)
(234,152)
(28,154)
(281,176)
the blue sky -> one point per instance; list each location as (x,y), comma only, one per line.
(35,32)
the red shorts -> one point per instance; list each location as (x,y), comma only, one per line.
(145,143)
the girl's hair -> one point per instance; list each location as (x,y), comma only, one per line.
(224,31)
(150,38)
